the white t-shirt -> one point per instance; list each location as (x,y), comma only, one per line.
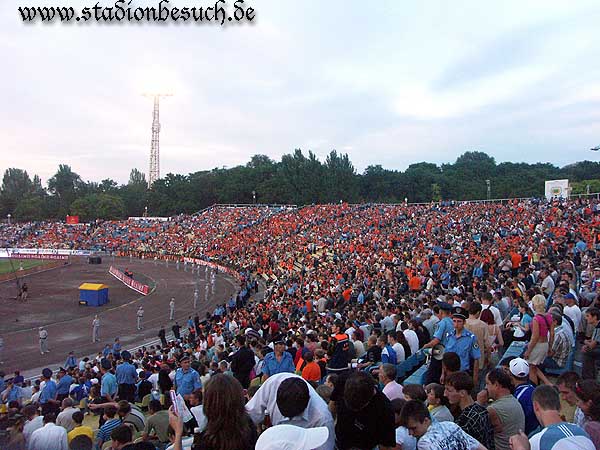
(575,314)
(404,439)
(561,436)
(413,341)
(393,390)
(400,356)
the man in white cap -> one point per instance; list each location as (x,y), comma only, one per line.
(96,329)
(43,336)
(172,309)
(290,437)
(519,372)
(140,316)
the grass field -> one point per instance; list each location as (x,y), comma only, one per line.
(6,267)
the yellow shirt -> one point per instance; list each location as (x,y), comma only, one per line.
(87,431)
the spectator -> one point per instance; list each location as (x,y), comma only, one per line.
(157,425)
(289,436)
(228,425)
(542,337)
(519,372)
(434,435)
(290,399)
(65,418)
(436,403)
(311,371)
(242,361)
(506,414)
(588,393)
(404,441)
(110,423)
(364,415)
(556,434)
(79,429)
(50,436)
(33,420)
(81,442)
(591,349)
(570,411)
(473,418)
(387,376)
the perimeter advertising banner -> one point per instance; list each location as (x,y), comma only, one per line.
(72,220)
(129,282)
(43,253)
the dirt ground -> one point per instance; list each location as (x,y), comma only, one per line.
(54,302)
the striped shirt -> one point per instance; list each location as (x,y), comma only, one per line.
(105,430)
(561,436)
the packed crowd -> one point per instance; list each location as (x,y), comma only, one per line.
(351,294)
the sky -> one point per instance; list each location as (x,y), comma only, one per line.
(388,82)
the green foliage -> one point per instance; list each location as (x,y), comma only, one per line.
(298,178)
(98,206)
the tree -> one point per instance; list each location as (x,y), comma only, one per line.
(342,183)
(98,206)
(16,185)
(137,178)
(64,185)
(135,194)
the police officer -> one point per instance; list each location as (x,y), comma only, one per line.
(187,379)
(464,343)
(443,329)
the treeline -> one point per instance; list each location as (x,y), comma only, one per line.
(297,179)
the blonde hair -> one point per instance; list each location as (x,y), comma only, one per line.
(539,303)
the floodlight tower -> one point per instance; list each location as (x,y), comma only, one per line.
(154,171)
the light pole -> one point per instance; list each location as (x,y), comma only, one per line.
(254,197)
(489,189)
(8,217)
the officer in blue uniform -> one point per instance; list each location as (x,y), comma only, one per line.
(464,343)
(443,329)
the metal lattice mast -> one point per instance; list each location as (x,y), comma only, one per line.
(154,170)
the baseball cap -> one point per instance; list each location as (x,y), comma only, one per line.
(519,367)
(291,437)
(569,295)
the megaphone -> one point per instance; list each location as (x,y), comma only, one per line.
(437,352)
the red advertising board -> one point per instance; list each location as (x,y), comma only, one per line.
(72,220)
(37,256)
(129,282)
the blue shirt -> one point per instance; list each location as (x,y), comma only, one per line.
(109,384)
(64,384)
(15,394)
(126,373)
(187,382)
(71,362)
(465,347)
(523,394)
(105,430)
(388,355)
(271,366)
(444,328)
(48,393)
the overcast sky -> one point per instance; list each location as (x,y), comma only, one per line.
(389,82)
